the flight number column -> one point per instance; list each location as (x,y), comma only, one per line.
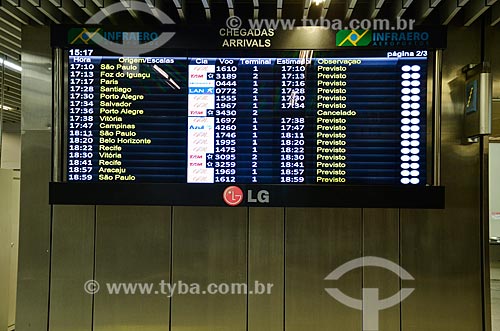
(225,115)
(292,108)
(81,70)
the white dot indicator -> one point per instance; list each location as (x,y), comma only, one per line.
(405,98)
(415,143)
(415,98)
(405,113)
(405,180)
(405,105)
(415,75)
(415,105)
(415,90)
(414,180)
(406,83)
(415,121)
(405,90)
(415,136)
(415,67)
(405,150)
(405,136)
(405,143)
(406,68)
(405,128)
(406,76)
(405,173)
(414,158)
(415,128)
(415,113)
(415,83)
(415,165)
(405,158)
(405,120)
(414,173)
(405,165)
(414,150)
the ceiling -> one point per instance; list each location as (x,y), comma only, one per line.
(16,13)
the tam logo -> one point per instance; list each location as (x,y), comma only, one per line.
(233,196)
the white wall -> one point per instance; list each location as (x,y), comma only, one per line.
(9,221)
(16,195)
(494,167)
(5,230)
(9,229)
(11,146)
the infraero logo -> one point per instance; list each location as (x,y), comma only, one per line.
(79,36)
(353,38)
(232,196)
(87,36)
(125,43)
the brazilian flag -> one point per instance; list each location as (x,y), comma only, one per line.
(353,38)
(81,35)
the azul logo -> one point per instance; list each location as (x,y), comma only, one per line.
(233,196)
(353,38)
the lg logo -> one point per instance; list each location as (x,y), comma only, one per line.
(233,196)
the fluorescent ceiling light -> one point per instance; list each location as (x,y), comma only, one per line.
(319,2)
(6,108)
(11,65)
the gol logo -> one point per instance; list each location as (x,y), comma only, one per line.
(233,195)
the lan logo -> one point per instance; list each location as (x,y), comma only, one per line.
(81,36)
(353,38)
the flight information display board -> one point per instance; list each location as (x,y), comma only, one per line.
(268,117)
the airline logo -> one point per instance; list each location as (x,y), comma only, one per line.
(199,104)
(200,175)
(198,75)
(200,142)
